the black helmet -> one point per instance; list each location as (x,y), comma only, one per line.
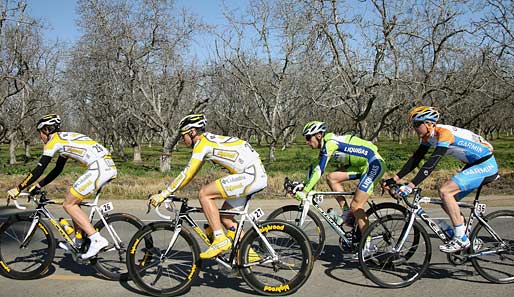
(191,121)
(52,121)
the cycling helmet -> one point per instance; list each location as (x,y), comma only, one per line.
(314,127)
(424,113)
(51,121)
(191,121)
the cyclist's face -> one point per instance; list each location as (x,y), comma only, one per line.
(421,128)
(313,141)
(187,139)
(43,136)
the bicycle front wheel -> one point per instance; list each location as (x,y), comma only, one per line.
(494,259)
(312,226)
(280,275)
(112,262)
(160,267)
(31,260)
(385,264)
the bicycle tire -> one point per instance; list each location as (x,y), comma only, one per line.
(25,263)
(495,267)
(378,211)
(312,227)
(278,277)
(386,267)
(146,268)
(112,262)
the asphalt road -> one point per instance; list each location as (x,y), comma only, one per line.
(334,274)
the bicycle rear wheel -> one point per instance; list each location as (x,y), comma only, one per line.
(312,226)
(283,275)
(32,260)
(386,266)
(112,262)
(495,259)
(160,272)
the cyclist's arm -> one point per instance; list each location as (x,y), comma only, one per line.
(326,152)
(36,172)
(185,176)
(429,165)
(413,161)
(59,166)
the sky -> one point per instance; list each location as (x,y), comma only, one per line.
(59,17)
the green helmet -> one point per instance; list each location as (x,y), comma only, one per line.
(314,127)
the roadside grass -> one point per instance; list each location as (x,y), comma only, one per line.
(137,180)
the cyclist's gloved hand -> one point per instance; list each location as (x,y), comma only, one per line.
(156,199)
(299,187)
(388,183)
(404,190)
(300,195)
(12,194)
(34,189)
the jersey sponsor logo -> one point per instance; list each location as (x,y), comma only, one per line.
(75,150)
(228,155)
(372,174)
(356,150)
(481,170)
(232,179)
(473,146)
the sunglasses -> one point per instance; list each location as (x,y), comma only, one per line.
(417,124)
(308,137)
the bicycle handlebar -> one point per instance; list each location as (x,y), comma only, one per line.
(393,191)
(168,206)
(18,206)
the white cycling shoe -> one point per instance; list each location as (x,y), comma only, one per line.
(95,247)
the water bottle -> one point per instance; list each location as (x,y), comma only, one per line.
(66,226)
(333,214)
(447,229)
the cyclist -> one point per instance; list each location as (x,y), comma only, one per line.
(70,145)
(462,144)
(359,159)
(247,176)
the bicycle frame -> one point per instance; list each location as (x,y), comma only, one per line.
(415,210)
(315,200)
(41,212)
(184,215)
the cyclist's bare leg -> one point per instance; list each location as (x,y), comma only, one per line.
(79,217)
(447,193)
(228,220)
(357,207)
(207,196)
(334,180)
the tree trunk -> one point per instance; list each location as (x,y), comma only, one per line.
(165,163)
(27,150)
(121,149)
(137,153)
(12,149)
(272,152)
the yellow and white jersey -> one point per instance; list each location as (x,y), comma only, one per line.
(76,146)
(232,153)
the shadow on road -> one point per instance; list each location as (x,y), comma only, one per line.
(346,270)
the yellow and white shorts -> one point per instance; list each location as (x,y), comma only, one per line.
(99,172)
(237,187)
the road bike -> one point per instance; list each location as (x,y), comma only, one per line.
(401,249)
(273,257)
(302,215)
(28,245)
